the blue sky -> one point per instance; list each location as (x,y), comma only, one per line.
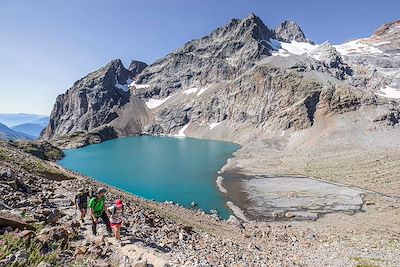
(45,46)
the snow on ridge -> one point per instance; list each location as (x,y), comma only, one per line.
(381,43)
(356,46)
(214,124)
(300,48)
(390,92)
(285,49)
(153,103)
(190,91)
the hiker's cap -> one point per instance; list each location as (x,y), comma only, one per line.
(81,190)
(118,203)
(101,190)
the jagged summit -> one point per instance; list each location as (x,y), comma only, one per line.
(289,31)
(221,55)
(136,67)
(217,73)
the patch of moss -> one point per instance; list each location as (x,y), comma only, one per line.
(16,157)
(366,262)
(40,149)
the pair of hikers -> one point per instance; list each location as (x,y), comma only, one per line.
(99,210)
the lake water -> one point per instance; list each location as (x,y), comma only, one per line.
(160,168)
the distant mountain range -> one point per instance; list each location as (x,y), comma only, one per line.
(22,126)
(9,134)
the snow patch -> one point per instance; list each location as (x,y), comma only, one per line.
(285,49)
(381,43)
(123,87)
(153,103)
(190,91)
(138,86)
(356,46)
(390,92)
(202,90)
(181,132)
(214,124)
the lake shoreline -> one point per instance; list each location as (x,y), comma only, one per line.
(151,173)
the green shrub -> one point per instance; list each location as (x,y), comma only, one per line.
(11,243)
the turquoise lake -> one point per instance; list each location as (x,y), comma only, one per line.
(160,168)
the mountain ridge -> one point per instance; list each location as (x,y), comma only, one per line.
(194,85)
(10,134)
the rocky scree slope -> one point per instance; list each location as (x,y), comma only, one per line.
(242,82)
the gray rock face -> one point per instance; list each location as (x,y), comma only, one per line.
(271,99)
(289,31)
(136,67)
(375,60)
(222,55)
(91,102)
(236,81)
(332,61)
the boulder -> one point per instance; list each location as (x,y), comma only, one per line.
(140,263)
(7,174)
(14,221)
(99,241)
(26,234)
(52,215)
(57,233)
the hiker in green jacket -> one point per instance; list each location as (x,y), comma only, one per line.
(98,209)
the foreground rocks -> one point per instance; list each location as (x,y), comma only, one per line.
(9,220)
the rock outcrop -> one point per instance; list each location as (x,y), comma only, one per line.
(289,31)
(136,67)
(93,102)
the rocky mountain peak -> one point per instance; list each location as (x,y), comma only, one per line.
(386,38)
(387,28)
(91,102)
(289,31)
(136,67)
(249,27)
(219,56)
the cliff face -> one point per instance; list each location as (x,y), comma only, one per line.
(92,102)
(239,83)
